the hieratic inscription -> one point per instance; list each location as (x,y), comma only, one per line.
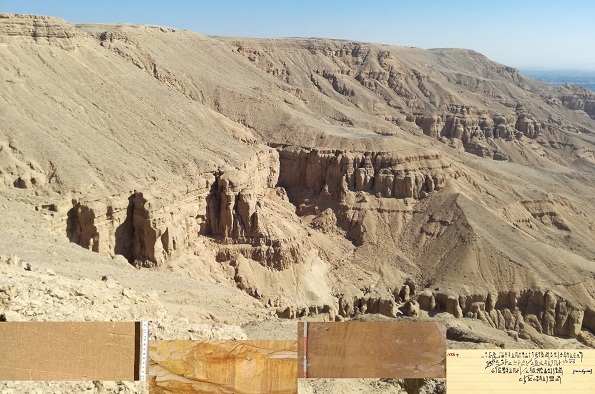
(505,371)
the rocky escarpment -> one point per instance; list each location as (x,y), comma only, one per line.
(237,221)
(546,212)
(466,123)
(577,99)
(477,130)
(310,172)
(333,185)
(523,314)
(325,184)
(519,311)
(369,82)
(242,211)
(233,208)
(234,211)
(151,226)
(423,88)
(18,170)
(582,102)
(38,30)
(146,229)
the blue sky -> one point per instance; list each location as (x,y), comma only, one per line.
(520,33)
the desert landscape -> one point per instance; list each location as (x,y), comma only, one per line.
(227,187)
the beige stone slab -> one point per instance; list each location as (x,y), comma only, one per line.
(506,371)
(373,350)
(243,367)
(69,350)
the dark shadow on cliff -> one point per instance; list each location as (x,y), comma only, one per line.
(124,233)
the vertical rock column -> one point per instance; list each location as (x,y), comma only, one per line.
(80,227)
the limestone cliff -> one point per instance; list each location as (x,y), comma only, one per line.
(39,30)
(384,174)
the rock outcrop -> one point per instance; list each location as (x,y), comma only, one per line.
(18,170)
(150,227)
(581,100)
(383,174)
(234,204)
(39,30)
(80,227)
(544,311)
(145,229)
(465,124)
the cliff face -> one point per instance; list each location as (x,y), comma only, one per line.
(146,229)
(580,99)
(41,30)
(384,174)
(152,226)
(435,90)
(233,204)
(318,176)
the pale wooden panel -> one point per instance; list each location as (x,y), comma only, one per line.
(504,371)
(68,350)
(241,367)
(374,350)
